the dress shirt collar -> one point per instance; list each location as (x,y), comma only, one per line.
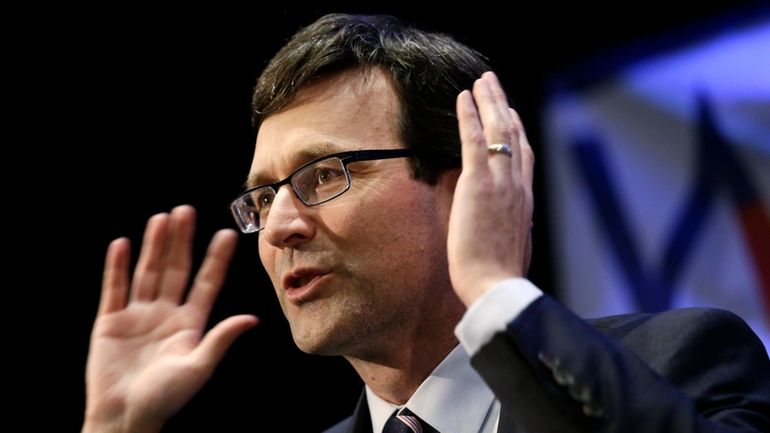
(453,399)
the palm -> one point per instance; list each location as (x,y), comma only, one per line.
(149,356)
(140,351)
(493,194)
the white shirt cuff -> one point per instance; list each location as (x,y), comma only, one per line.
(492,312)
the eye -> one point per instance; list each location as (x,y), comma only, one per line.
(263,198)
(320,180)
(324,175)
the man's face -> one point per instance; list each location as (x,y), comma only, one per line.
(355,273)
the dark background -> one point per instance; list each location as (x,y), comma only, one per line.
(138,110)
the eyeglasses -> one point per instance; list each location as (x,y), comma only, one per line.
(315,182)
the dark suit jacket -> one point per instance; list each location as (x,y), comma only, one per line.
(680,371)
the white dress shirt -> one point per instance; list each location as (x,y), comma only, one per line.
(454,398)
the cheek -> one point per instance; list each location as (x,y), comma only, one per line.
(267,255)
(403,223)
(358,221)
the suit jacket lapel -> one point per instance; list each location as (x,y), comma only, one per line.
(361,421)
(507,424)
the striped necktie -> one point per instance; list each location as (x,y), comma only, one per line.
(404,421)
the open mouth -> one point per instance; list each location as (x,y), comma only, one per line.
(302,280)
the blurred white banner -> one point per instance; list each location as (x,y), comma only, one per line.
(659,177)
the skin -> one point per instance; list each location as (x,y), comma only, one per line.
(149,353)
(377,318)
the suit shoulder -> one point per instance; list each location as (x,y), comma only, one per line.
(714,333)
(682,321)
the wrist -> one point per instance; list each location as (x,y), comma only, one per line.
(95,424)
(475,289)
(101,427)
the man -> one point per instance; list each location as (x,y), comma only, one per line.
(393,210)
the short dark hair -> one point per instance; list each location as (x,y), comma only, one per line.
(428,71)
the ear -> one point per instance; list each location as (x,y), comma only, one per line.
(447,181)
(445,192)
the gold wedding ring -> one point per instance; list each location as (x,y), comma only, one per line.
(500,148)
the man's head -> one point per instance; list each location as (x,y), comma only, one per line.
(427,71)
(365,274)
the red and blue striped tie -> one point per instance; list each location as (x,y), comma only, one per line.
(404,421)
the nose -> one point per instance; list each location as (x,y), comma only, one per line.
(288,223)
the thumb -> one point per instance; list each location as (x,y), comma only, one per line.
(215,343)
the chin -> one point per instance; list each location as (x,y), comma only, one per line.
(315,347)
(319,341)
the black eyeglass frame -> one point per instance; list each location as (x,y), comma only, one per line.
(344,157)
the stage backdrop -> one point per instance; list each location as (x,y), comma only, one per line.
(658,164)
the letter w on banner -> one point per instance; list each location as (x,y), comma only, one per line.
(659,176)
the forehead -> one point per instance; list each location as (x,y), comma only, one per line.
(355,109)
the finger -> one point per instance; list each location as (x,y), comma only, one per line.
(115,277)
(495,118)
(474,145)
(211,276)
(214,345)
(527,155)
(176,273)
(149,266)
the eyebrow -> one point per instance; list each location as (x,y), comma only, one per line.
(304,155)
